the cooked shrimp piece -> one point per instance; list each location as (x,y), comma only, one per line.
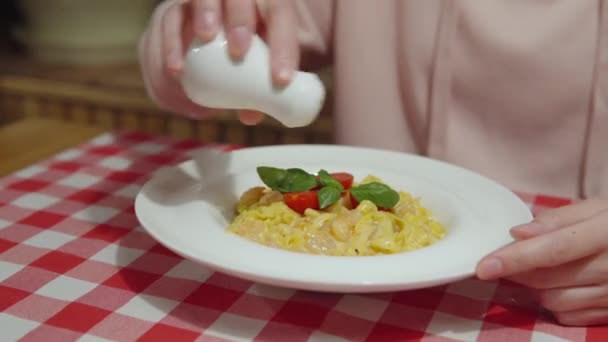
(250,197)
(271,197)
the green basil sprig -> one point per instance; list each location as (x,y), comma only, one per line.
(328,196)
(379,194)
(328,181)
(298,180)
(331,190)
(286,180)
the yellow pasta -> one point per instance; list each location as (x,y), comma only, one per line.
(339,230)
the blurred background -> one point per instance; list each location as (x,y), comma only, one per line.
(74,61)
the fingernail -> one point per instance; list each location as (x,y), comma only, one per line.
(489,268)
(174,61)
(239,38)
(250,118)
(529,229)
(206,25)
(282,72)
(284,75)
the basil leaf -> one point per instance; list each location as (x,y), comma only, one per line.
(286,180)
(328,196)
(271,176)
(297,180)
(327,180)
(379,194)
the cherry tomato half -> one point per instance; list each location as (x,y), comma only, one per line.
(300,201)
(353,202)
(346,179)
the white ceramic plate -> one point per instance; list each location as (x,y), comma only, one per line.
(187,208)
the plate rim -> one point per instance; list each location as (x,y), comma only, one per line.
(346,286)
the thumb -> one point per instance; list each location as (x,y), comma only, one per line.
(250,117)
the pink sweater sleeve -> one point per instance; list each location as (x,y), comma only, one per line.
(315,20)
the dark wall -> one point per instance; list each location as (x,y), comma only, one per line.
(9,18)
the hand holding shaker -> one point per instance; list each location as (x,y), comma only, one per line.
(211,78)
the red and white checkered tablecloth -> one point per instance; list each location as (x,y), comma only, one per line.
(76,266)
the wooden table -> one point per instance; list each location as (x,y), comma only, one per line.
(27,141)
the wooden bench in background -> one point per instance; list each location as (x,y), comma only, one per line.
(114,97)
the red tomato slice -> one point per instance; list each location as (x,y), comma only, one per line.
(346,179)
(353,202)
(300,201)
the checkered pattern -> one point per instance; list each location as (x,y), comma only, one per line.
(75,265)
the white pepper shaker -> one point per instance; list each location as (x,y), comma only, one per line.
(211,78)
